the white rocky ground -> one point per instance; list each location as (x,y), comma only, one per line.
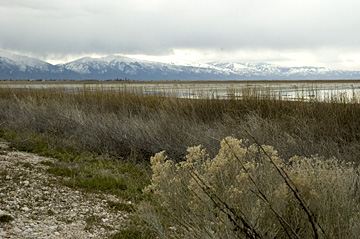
(40,207)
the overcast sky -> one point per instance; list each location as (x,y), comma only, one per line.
(284,32)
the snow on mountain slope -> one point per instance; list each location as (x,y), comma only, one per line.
(24,62)
(131,67)
(13,66)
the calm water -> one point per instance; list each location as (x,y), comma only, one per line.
(219,90)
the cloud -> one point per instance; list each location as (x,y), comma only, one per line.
(158,27)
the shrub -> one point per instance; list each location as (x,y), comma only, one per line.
(248,191)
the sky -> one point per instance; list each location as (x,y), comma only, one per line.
(282,32)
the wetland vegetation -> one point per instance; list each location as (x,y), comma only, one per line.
(104,140)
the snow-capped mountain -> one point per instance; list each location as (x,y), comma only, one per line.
(14,66)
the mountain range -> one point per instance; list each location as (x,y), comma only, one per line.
(112,67)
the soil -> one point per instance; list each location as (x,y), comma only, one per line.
(34,203)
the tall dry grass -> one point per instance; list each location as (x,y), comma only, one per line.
(123,123)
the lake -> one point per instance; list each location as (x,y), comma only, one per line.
(286,90)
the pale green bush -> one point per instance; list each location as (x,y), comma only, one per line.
(250,192)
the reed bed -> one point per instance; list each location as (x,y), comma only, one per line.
(125,123)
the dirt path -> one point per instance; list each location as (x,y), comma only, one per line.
(33,204)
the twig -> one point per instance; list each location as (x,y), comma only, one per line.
(248,230)
(263,197)
(294,189)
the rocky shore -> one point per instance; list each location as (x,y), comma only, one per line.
(33,203)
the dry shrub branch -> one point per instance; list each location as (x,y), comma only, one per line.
(240,193)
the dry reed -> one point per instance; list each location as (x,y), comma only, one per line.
(123,123)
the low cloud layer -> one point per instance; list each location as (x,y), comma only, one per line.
(326,31)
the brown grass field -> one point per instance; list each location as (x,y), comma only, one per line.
(126,128)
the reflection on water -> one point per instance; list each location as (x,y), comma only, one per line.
(323,91)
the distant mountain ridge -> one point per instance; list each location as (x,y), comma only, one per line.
(14,66)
